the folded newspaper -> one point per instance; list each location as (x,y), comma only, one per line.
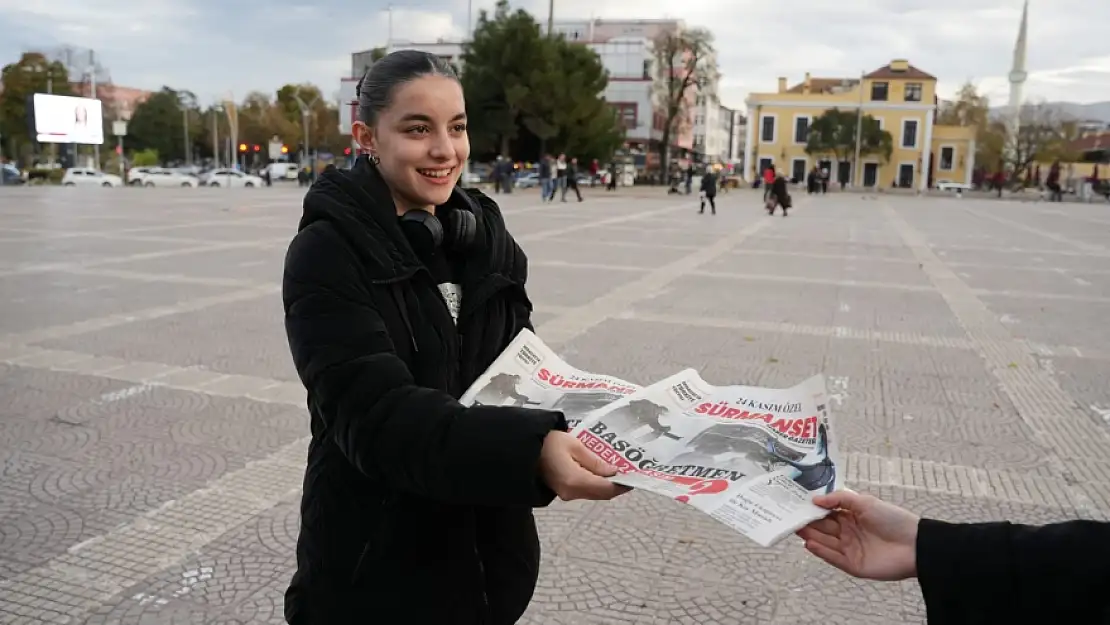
(750,457)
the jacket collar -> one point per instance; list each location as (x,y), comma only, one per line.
(358,202)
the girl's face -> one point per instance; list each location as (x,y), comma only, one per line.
(421,140)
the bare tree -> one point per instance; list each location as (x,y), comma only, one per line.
(1042,136)
(684,61)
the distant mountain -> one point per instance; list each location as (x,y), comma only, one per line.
(1099,111)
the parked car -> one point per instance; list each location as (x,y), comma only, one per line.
(158,177)
(86,177)
(527,180)
(230,178)
(10,175)
(949,185)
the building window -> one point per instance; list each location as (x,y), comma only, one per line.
(879,91)
(628,112)
(947,158)
(767,129)
(801,130)
(913,92)
(909,133)
(647,69)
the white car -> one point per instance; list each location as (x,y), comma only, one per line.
(948,185)
(85,177)
(230,178)
(166,178)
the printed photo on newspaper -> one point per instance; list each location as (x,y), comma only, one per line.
(529,374)
(750,457)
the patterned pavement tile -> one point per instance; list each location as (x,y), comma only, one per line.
(152,428)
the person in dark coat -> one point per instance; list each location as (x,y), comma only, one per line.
(708,191)
(780,196)
(971,573)
(400,289)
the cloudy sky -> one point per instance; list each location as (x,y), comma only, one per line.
(214,47)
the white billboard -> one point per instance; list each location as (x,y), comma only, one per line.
(348,104)
(65,119)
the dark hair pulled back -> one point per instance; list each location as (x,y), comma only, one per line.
(375,90)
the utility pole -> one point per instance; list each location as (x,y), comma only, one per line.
(188,147)
(856,175)
(216,137)
(92,82)
(550,17)
(50,90)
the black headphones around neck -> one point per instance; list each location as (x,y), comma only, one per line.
(427,233)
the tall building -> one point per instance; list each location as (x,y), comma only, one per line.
(626,50)
(1018,75)
(733,125)
(900,97)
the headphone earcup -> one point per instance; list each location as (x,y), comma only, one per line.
(464,229)
(423,230)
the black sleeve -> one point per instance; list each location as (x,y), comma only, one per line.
(1007,573)
(415,439)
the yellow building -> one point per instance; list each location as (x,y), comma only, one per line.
(903,100)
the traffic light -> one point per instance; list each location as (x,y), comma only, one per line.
(257,147)
(284,149)
(242,147)
(346,151)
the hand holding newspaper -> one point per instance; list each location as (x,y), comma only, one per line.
(749,457)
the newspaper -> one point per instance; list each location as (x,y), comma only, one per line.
(529,374)
(749,457)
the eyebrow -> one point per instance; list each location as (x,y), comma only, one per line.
(420,117)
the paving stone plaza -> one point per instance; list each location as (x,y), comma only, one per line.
(153,430)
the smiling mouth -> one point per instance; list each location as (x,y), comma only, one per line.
(436,173)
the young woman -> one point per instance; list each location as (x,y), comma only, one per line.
(400,289)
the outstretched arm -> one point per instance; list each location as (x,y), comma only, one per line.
(416,439)
(1009,573)
(981,573)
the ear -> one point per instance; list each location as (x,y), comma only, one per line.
(364,135)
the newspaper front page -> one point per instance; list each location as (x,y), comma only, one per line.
(749,457)
(529,374)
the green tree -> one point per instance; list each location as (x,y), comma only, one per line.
(683,62)
(585,125)
(834,133)
(377,54)
(32,73)
(506,54)
(516,79)
(145,158)
(158,123)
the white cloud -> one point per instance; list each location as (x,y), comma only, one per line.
(211,46)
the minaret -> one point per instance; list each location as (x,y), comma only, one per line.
(1017,80)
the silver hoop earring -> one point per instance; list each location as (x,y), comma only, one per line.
(375,159)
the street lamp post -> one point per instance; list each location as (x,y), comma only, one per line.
(188,146)
(216,135)
(306,110)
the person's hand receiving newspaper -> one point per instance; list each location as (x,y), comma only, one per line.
(864,536)
(570,470)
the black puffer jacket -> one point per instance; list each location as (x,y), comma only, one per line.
(415,509)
